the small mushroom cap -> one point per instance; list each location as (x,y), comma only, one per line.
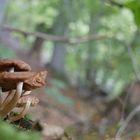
(23,100)
(31,80)
(19,65)
(36,81)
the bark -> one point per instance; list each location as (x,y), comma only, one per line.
(58,38)
(58,59)
(35,52)
(59,53)
(60,27)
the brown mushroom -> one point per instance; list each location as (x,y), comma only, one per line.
(22,100)
(18,65)
(0,96)
(31,80)
(8,98)
(18,83)
(25,102)
(11,65)
(13,101)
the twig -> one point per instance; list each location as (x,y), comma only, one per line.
(76,40)
(125,123)
(132,133)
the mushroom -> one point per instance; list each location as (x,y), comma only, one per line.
(9,81)
(31,80)
(19,83)
(25,102)
(7,99)
(11,65)
(9,96)
(0,96)
(13,101)
(18,65)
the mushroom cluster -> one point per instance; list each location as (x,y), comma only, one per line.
(17,80)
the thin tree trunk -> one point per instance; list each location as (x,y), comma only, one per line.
(58,59)
(60,27)
(35,52)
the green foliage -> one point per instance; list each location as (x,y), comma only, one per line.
(93,6)
(109,58)
(8,132)
(134,6)
(35,12)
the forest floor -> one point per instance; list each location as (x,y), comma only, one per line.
(81,119)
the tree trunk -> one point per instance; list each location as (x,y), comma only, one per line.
(35,52)
(59,52)
(60,27)
(58,59)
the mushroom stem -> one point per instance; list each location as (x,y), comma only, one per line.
(22,113)
(13,101)
(26,92)
(10,94)
(0,97)
(11,69)
(8,98)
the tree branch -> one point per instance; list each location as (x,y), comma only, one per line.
(125,123)
(56,38)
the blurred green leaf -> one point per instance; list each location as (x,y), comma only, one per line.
(134,6)
(8,132)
